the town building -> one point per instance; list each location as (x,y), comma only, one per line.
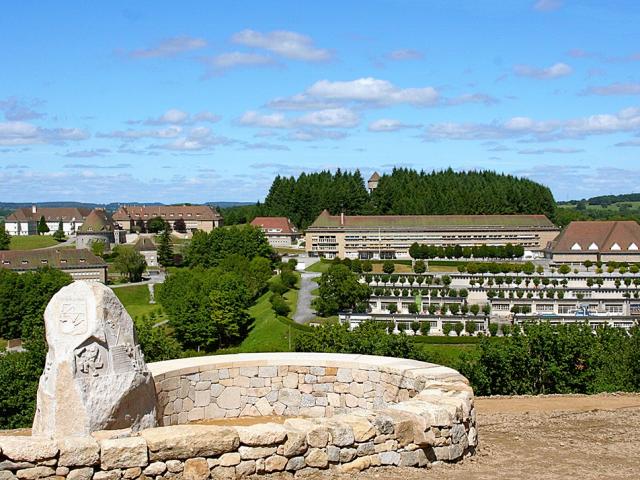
(280,232)
(24,221)
(391,236)
(145,246)
(372,183)
(98,227)
(195,217)
(596,241)
(80,264)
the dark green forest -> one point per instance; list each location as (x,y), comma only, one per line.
(402,192)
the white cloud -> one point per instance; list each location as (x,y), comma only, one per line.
(556,70)
(15,109)
(197,139)
(614,89)
(170,47)
(130,134)
(291,45)
(334,117)
(405,54)
(373,91)
(229,60)
(472,98)
(256,119)
(547,5)
(175,116)
(626,120)
(543,151)
(387,125)
(97,152)
(22,133)
(311,134)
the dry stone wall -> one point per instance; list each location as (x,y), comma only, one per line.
(347,412)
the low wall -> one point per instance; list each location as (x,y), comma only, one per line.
(348,412)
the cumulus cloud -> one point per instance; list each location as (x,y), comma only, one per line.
(388,125)
(264,146)
(196,139)
(614,89)
(327,118)
(626,120)
(405,54)
(131,134)
(170,47)
(311,134)
(99,166)
(543,151)
(15,109)
(98,152)
(287,44)
(373,91)
(547,5)
(557,70)
(471,98)
(22,133)
(229,60)
(175,116)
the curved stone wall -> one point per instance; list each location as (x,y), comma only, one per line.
(348,412)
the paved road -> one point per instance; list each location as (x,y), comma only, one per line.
(304,312)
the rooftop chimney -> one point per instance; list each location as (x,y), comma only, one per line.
(34,208)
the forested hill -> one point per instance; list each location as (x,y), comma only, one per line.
(406,192)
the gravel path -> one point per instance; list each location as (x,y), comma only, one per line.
(304,312)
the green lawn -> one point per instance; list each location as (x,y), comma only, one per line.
(32,242)
(269,333)
(319,267)
(136,300)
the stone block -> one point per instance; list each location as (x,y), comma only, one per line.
(268,372)
(188,441)
(123,453)
(195,469)
(78,452)
(229,399)
(275,463)
(245,468)
(174,466)
(356,465)
(35,473)
(262,434)
(85,473)
(27,449)
(254,453)
(317,458)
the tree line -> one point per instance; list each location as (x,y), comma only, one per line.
(402,192)
(420,251)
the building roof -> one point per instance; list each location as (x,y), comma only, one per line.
(374,177)
(326,220)
(56,214)
(145,244)
(599,237)
(274,225)
(96,221)
(169,213)
(62,258)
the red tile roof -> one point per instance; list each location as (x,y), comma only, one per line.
(63,258)
(274,225)
(170,213)
(50,214)
(599,236)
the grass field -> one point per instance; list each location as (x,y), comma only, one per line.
(269,333)
(319,267)
(136,300)
(32,242)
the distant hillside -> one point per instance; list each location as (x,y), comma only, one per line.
(7,207)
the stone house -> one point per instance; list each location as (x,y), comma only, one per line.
(80,264)
(195,217)
(280,232)
(24,221)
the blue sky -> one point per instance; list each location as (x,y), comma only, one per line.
(201,101)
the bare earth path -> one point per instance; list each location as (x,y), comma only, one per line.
(551,437)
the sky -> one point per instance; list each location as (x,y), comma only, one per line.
(208,100)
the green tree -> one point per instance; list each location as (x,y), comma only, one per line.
(474,309)
(98,248)
(470,327)
(42,226)
(367,266)
(564,269)
(458,327)
(388,267)
(5,238)
(156,224)
(339,289)
(59,233)
(180,226)
(493,329)
(130,263)
(157,343)
(447,328)
(279,305)
(419,267)
(425,327)
(165,248)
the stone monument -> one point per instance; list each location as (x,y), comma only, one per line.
(95,376)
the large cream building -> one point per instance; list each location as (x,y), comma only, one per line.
(195,217)
(391,236)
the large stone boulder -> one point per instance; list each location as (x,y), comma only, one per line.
(95,377)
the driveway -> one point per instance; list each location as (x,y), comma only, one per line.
(304,312)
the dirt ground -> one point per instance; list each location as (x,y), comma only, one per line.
(549,437)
